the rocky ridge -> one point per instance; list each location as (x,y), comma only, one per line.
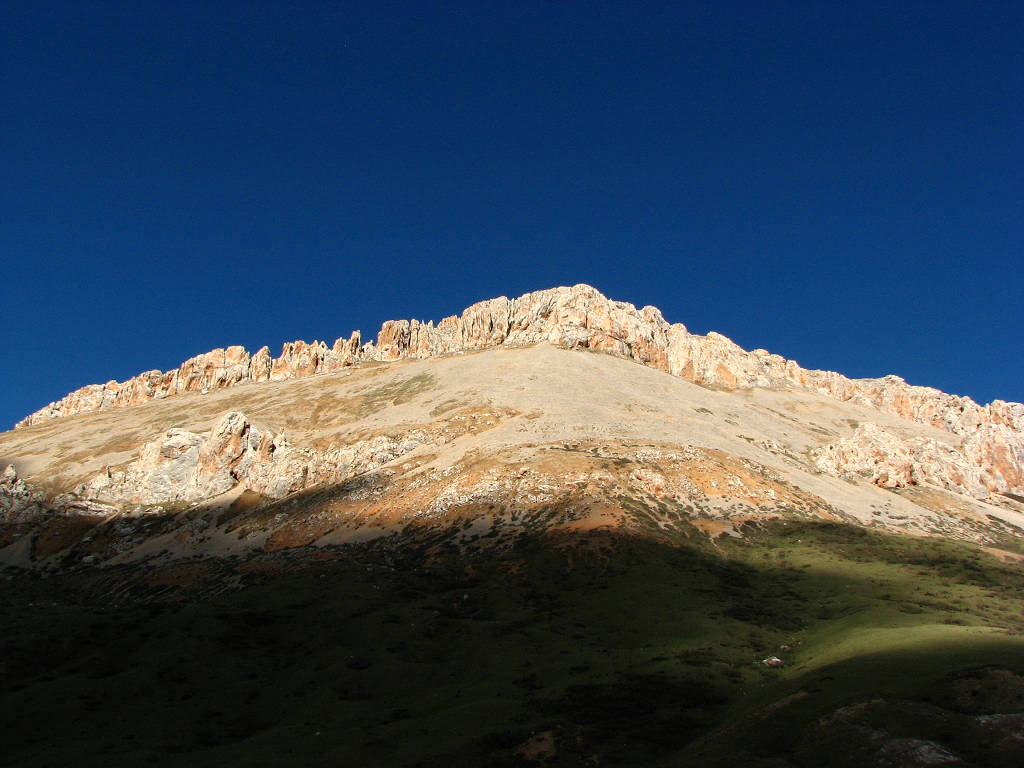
(989,457)
(493,444)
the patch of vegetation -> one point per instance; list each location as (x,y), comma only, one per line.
(371,400)
(621,649)
(398,392)
(448,405)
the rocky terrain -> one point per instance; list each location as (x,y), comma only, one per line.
(576,317)
(521,447)
(392,444)
(986,457)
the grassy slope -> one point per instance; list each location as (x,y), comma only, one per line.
(628,650)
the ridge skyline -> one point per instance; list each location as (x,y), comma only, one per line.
(114,352)
(300,358)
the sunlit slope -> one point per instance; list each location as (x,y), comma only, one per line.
(542,435)
(511,557)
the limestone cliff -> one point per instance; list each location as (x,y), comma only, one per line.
(581,317)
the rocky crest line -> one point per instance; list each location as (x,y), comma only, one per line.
(577,317)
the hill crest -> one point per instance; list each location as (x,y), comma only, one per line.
(573,317)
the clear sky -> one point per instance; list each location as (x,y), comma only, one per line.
(841,185)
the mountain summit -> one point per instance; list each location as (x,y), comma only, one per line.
(609,521)
(969,449)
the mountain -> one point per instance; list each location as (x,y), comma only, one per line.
(552,530)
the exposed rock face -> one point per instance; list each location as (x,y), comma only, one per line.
(986,461)
(21,502)
(569,317)
(581,317)
(213,370)
(999,452)
(890,461)
(185,466)
(18,501)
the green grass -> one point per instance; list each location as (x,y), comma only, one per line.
(393,393)
(412,652)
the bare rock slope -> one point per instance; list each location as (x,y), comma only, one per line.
(988,456)
(533,432)
(574,317)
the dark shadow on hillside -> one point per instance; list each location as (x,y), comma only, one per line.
(604,648)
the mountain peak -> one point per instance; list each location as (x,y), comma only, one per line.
(575,317)
(986,454)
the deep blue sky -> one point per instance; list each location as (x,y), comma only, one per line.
(839,185)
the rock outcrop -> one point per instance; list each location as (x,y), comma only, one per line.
(982,464)
(216,369)
(992,436)
(889,461)
(183,466)
(19,501)
(579,317)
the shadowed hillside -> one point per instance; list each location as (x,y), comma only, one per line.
(584,649)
